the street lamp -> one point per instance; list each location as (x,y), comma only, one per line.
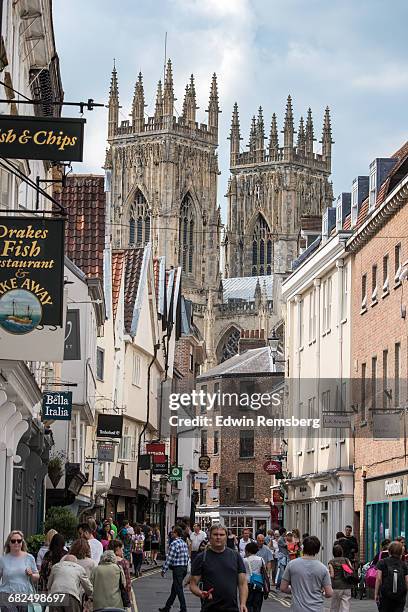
(273,342)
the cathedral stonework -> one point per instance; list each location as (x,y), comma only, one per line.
(164,173)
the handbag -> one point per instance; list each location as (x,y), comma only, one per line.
(266,582)
(371,575)
(255,580)
(349,574)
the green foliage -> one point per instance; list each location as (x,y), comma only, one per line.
(62,520)
(34,543)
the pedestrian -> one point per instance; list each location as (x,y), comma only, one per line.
(222,572)
(383,553)
(293,546)
(232,541)
(70,578)
(197,536)
(85,531)
(106,535)
(45,547)
(283,556)
(307,579)
(296,538)
(268,537)
(126,539)
(108,581)
(155,543)
(261,530)
(391,582)
(273,545)
(92,524)
(352,542)
(54,555)
(246,538)
(341,588)
(264,552)
(177,559)
(255,566)
(147,547)
(82,551)
(137,551)
(18,570)
(117,547)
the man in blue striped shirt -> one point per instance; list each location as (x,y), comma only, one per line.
(177,560)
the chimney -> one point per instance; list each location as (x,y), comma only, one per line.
(328,222)
(343,207)
(251,339)
(359,192)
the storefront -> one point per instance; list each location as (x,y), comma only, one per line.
(386,510)
(237,518)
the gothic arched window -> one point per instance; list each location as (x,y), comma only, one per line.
(229,346)
(139,222)
(186,234)
(261,248)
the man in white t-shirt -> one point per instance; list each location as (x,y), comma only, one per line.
(244,541)
(197,536)
(96,547)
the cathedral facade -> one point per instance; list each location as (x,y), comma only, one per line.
(164,190)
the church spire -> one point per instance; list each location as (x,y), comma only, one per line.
(138,106)
(113,117)
(309,133)
(168,95)
(252,135)
(158,111)
(301,141)
(288,130)
(327,137)
(235,136)
(185,103)
(213,106)
(190,104)
(260,131)
(273,139)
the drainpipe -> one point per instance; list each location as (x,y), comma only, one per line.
(155,349)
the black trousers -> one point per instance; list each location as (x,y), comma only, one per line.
(255,600)
(179,573)
(390,605)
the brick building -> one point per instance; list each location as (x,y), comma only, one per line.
(237,489)
(379,351)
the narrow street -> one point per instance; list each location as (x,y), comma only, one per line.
(152,591)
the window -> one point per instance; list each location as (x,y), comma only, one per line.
(203,494)
(364,292)
(125,446)
(191,359)
(100,363)
(374,284)
(187,234)
(329,303)
(246,443)
(136,370)
(261,248)
(75,433)
(4,189)
(327,299)
(301,323)
(311,405)
(139,221)
(245,486)
(204,444)
(397,262)
(363,413)
(385,274)
(230,344)
(216,442)
(217,405)
(344,293)
(216,481)
(354,203)
(312,316)
(373,383)
(324,307)
(386,397)
(203,406)
(397,355)
(99,471)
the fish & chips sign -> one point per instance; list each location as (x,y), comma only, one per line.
(31,273)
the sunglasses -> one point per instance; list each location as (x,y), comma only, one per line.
(16,541)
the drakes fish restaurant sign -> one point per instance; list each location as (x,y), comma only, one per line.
(57,406)
(55,139)
(31,273)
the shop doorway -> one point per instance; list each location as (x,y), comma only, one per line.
(260,526)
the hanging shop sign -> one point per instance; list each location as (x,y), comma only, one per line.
(31,273)
(106,452)
(54,139)
(109,426)
(145,462)
(57,406)
(201,477)
(160,464)
(273,467)
(204,462)
(72,347)
(155,448)
(277,496)
(176,473)
(337,421)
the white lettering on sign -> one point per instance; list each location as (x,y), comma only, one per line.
(393,488)
(236,512)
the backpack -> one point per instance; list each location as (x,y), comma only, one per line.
(393,581)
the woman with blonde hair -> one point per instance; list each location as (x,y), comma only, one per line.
(45,547)
(17,567)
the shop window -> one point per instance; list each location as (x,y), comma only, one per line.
(377,527)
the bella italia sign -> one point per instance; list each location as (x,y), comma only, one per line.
(57,406)
(58,139)
(31,273)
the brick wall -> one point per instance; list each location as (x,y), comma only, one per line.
(374,331)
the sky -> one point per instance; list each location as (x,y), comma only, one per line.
(350,56)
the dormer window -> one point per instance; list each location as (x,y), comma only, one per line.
(373,185)
(354,203)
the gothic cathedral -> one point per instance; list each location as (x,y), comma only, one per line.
(164,190)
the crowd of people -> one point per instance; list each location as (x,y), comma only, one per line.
(93,572)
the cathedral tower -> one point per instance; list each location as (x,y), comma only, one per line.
(164,181)
(271,189)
